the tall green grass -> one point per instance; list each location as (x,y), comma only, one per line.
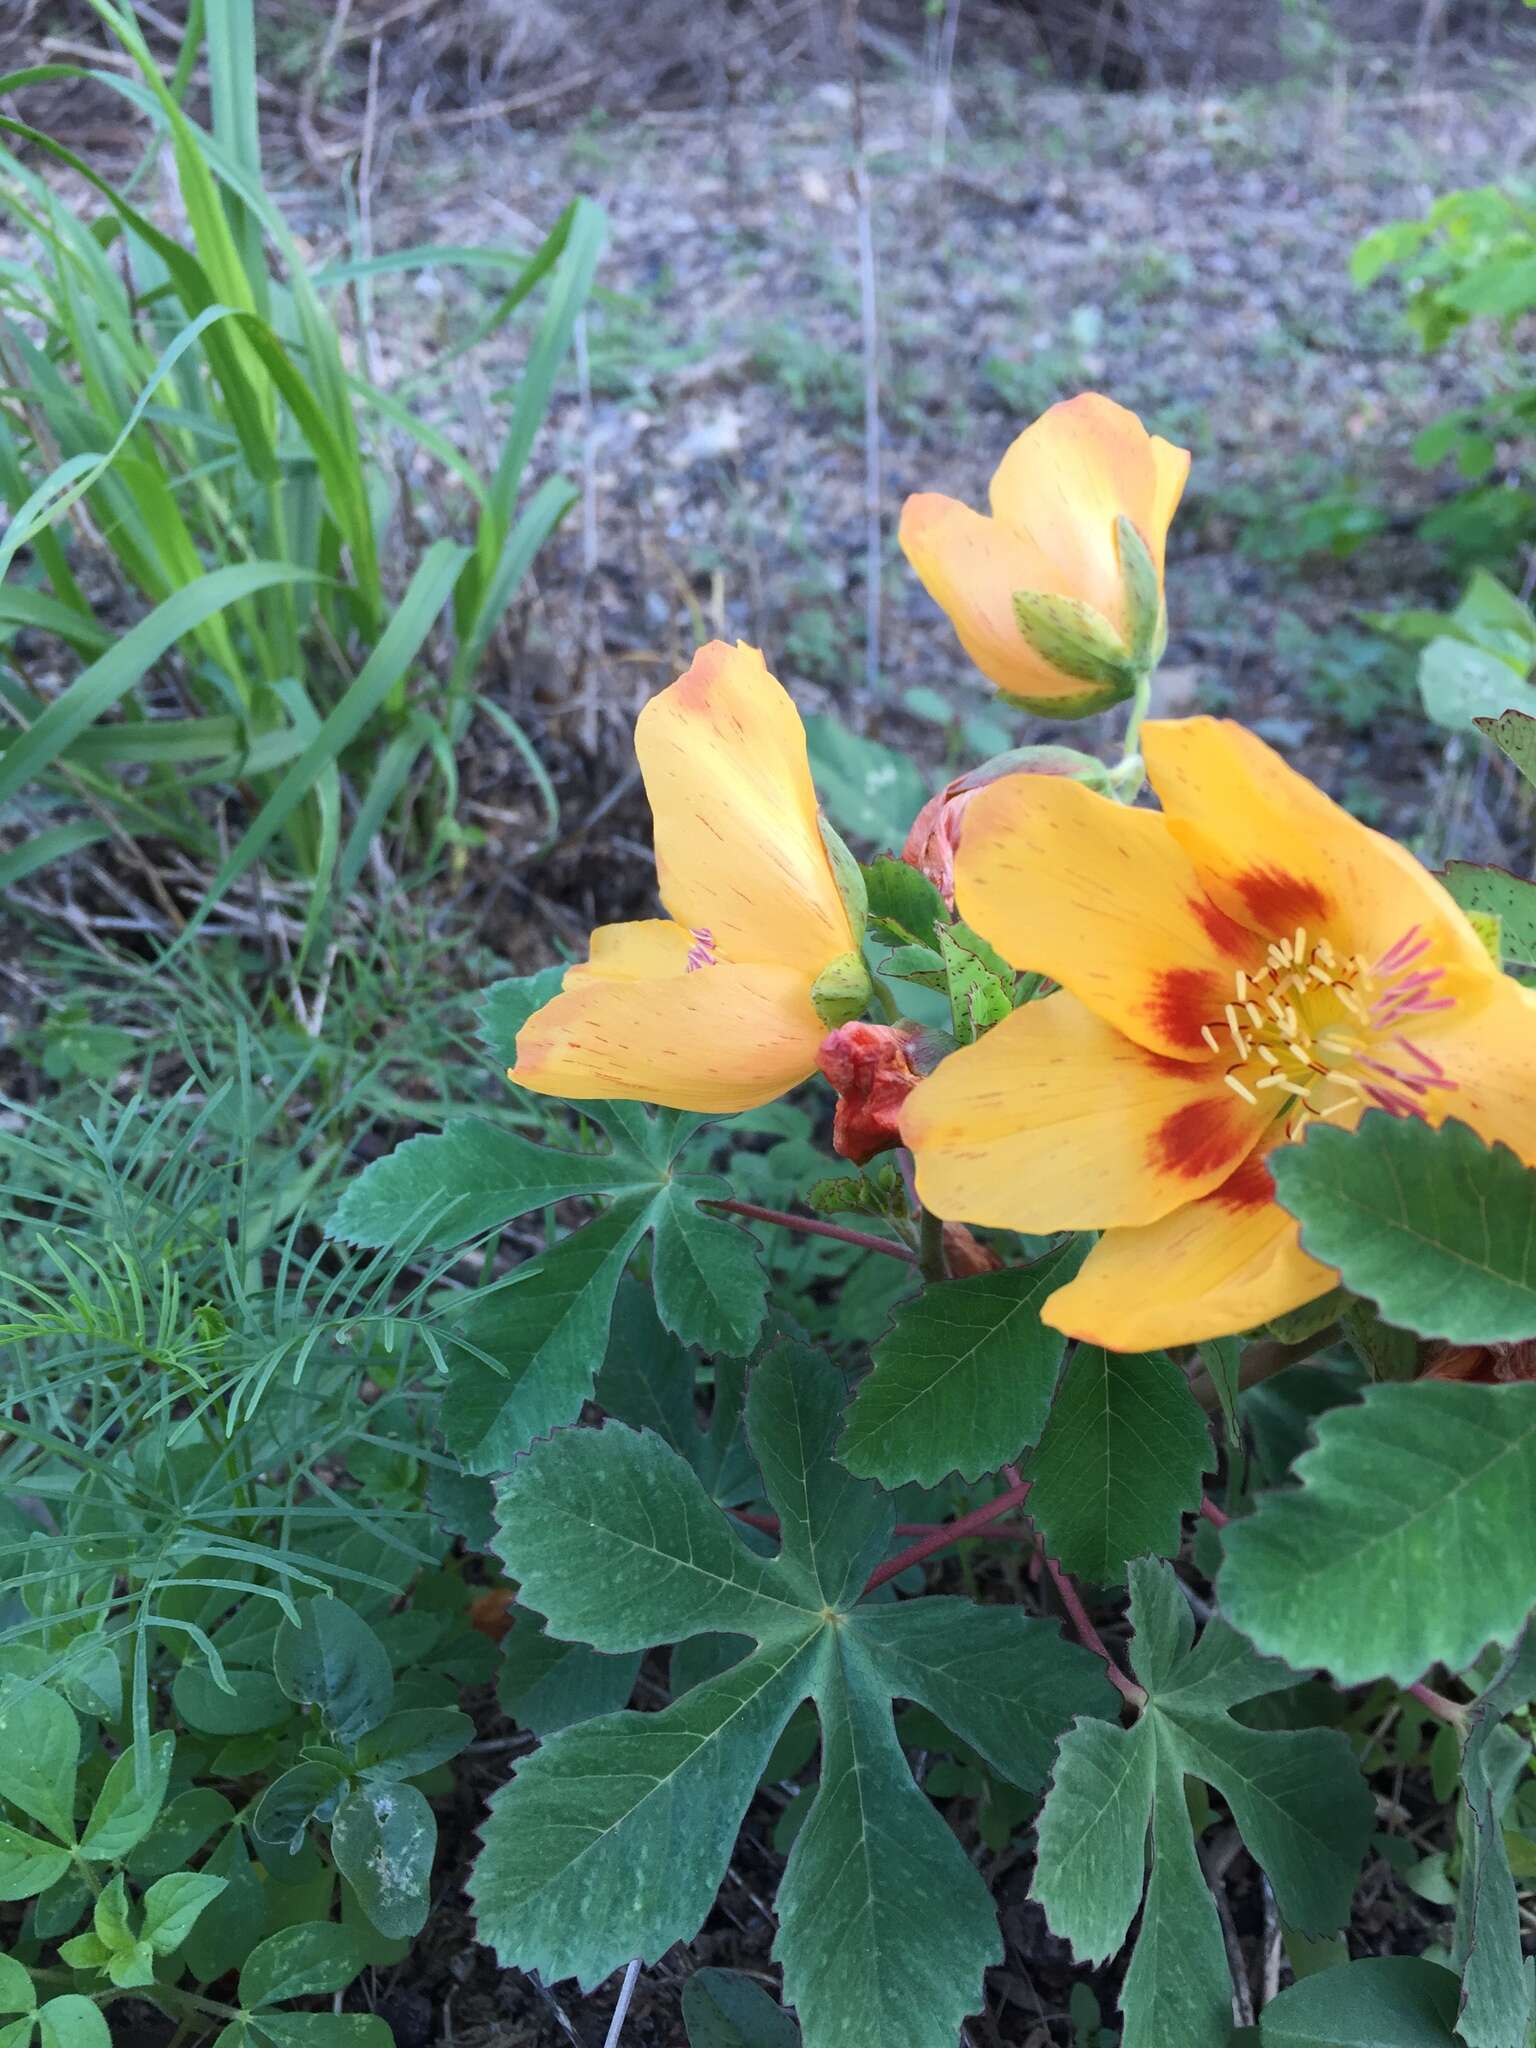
(206,516)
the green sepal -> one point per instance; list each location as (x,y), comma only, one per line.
(842,990)
(849,877)
(1071,704)
(1146,614)
(1076,640)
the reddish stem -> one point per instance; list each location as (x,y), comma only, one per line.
(1217,1517)
(1012,1533)
(812,1226)
(1442,1708)
(945,1533)
(1089,1636)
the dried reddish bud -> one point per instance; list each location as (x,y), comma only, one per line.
(965,1255)
(1489,1364)
(874,1068)
(934,838)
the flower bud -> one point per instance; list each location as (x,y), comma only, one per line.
(842,989)
(874,1068)
(1486,1364)
(934,839)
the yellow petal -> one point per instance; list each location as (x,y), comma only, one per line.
(1278,854)
(739,854)
(1067,478)
(1217,1266)
(719,1040)
(1488,1050)
(971,566)
(645,950)
(1055,1121)
(1105,901)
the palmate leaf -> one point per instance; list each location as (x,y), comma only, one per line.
(612,1840)
(1434,1226)
(1296,1795)
(1410,1541)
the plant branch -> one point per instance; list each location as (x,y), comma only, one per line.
(946,1533)
(1010,1532)
(812,1226)
(1261,1361)
(1088,1635)
(930,1247)
(1442,1708)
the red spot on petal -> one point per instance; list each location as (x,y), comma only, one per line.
(1198,1139)
(1224,932)
(1278,900)
(1185,998)
(1250,1187)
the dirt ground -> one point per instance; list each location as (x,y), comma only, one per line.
(1187,255)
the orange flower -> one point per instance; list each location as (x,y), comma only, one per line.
(1246,962)
(712,1007)
(934,838)
(1058,596)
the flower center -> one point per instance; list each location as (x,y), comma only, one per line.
(1320,1034)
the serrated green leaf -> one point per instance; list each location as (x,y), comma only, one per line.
(611,1840)
(126,1808)
(546,1330)
(384,1838)
(333,1660)
(1386,1352)
(322,2030)
(1385,1999)
(1005,1683)
(1409,1542)
(725,2009)
(903,902)
(709,1282)
(453,1184)
(1494,892)
(547,1685)
(256,1702)
(885,1925)
(615,1836)
(1300,1804)
(1120,1464)
(647,1377)
(963,1380)
(979,996)
(1437,1228)
(1460,683)
(39,1749)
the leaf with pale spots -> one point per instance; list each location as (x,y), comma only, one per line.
(1297,1796)
(612,1839)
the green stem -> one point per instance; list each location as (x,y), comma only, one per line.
(1140,703)
(931,1261)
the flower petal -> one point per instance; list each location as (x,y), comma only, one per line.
(1489,1052)
(1276,853)
(719,1040)
(971,566)
(1067,478)
(646,950)
(1217,1266)
(1055,1121)
(1105,901)
(739,852)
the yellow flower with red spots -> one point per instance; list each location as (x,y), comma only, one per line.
(1058,596)
(1244,962)
(711,1007)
